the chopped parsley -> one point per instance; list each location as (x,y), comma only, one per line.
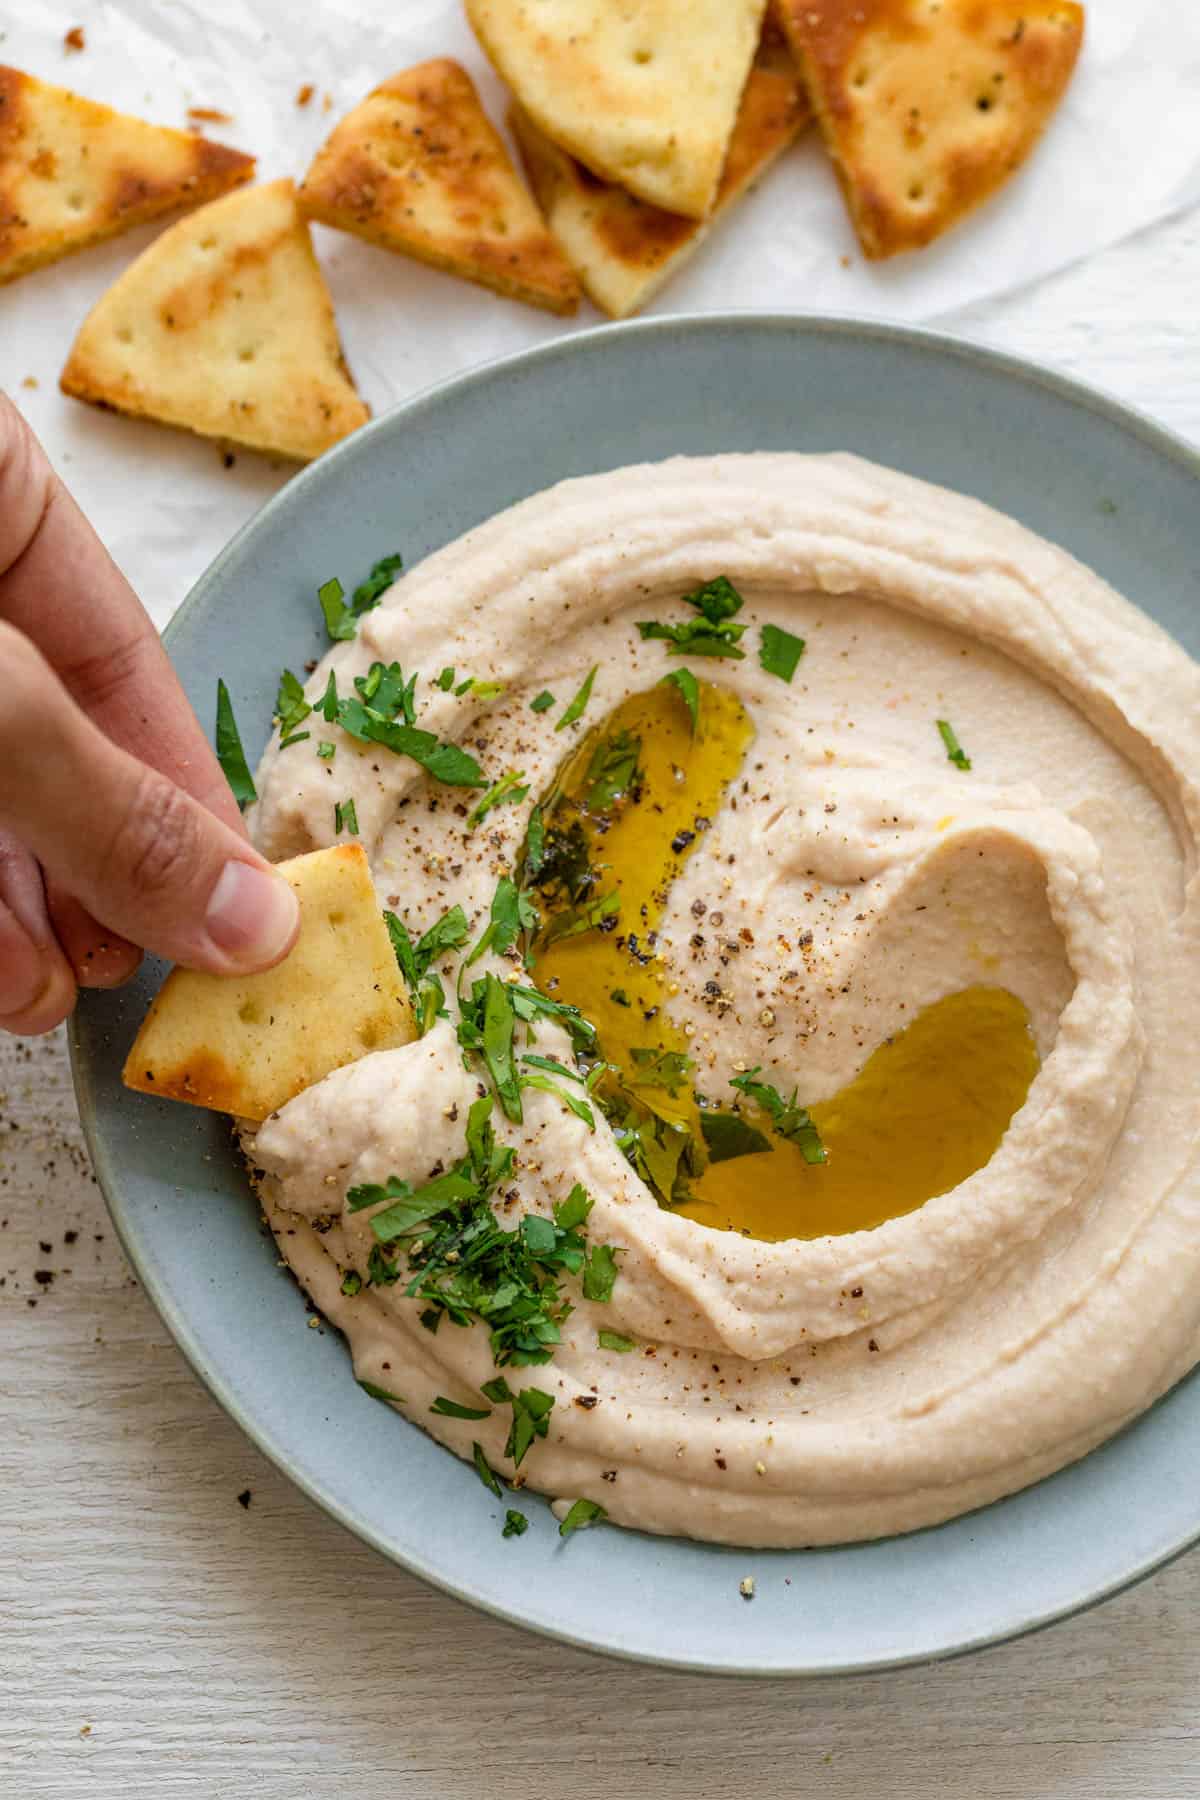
(512,912)
(573,1102)
(531,1410)
(341,620)
(576,708)
(615,1340)
(581,1513)
(661,1069)
(383,711)
(600,1273)
(351,1283)
(689,690)
(789,1120)
(379,1393)
(713,633)
(727,1135)
(507,791)
(515,1523)
(326,751)
(954,750)
(612,771)
(345,817)
(462,1263)
(485,1471)
(230,754)
(583,918)
(450,1409)
(291,708)
(293,737)
(542,702)
(428,995)
(487,1028)
(779,652)
(445,680)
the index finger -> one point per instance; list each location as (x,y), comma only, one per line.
(61,588)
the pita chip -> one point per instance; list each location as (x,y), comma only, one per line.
(73,172)
(419,168)
(644,95)
(928,106)
(247,1044)
(224,326)
(625,250)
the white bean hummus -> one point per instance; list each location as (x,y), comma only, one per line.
(997,1264)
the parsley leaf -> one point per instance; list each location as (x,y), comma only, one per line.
(450,1409)
(351,1283)
(291,708)
(383,574)
(326,751)
(689,690)
(954,750)
(600,1273)
(542,702)
(661,1069)
(713,633)
(531,1419)
(505,792)
(577,706)
(779,652)
(612,771)
(585,918)
(341,621)
(345,817)
(515,1523)
(790,1120)
(727,1135)
(614,1340)
(486,1028)
(573,1102)
(581,1513)
(230,754)
(378,1393)
(484,1470)
(382,712)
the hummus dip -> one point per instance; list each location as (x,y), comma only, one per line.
(888,1116)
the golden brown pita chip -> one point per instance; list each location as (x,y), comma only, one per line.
(73,172)
(224,326)
(246,1044)
(643,95)
(623,249)
(927,106)
(419,168)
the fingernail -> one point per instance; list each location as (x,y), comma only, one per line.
(252,915)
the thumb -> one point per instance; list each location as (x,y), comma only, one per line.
(146,859)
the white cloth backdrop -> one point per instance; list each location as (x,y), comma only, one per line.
(1124,150)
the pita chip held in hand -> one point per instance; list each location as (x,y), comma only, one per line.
(73,172)
(224,326)
(246,1044)
(625,250)
(927,109)
(644,95)
(418,167)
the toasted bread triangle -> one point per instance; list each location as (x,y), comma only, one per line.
(625,250)
(224,325)
(643,95)
(247,1044)
(928,106)
(418,167)
(73,172)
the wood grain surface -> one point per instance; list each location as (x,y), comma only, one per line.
(157,1637)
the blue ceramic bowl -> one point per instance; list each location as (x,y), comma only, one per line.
(1112,488)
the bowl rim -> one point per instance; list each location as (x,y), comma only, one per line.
(590,342)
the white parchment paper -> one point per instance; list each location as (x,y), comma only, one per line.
(1123,151)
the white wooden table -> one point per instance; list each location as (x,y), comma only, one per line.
(157,1637)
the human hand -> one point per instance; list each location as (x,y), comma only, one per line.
(118,832)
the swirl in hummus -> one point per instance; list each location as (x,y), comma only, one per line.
(799,1374)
